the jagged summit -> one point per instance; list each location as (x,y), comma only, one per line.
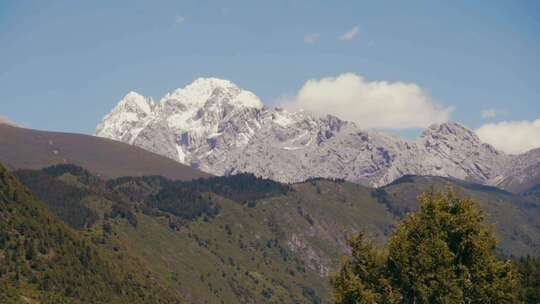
(452,131)
(181,121)
(453,134)
(202,90)
(213,125)
(137,102)
(448,128)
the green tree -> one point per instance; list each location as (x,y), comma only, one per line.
(362,278)
(443,253)
(529,268)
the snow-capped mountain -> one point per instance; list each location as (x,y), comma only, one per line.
(215,126)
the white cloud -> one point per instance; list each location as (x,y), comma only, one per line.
(492,113)
(179,19)
(489,113)
(351,34)
(312,38)
(512,137)
(371,104)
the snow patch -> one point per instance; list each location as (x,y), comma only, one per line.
(213,135)
(248,99)
(143,103)
(292,148)
(181,154)
(282,120)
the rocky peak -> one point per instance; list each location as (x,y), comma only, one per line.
(136,103)
(217,127)
(207,91)
(449,130)
(452,138)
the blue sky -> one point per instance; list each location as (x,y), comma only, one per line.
(65,64)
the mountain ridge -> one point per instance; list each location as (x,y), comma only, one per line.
(204,126)
(22,148)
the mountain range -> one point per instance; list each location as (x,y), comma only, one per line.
(196,238)
(136,217)
(215,126)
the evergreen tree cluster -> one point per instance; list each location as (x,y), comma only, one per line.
(184,202)
(63,188)
(242,187)
(529,269)
(443,253)
(62,199)
(189,200)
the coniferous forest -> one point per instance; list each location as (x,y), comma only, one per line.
(68,236)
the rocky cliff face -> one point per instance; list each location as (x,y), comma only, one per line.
(215,126)
(523,173)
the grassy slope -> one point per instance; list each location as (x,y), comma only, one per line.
(235,257)
(309,227)
(280,251)
(32,149)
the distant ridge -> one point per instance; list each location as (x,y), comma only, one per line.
(217,127)
(32,149)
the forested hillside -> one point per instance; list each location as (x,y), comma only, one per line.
(43,260)
(243,239)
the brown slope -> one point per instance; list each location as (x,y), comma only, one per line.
(32,149)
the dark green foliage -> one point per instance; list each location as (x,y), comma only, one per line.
(243,250)
(123,211)
(267,293)
(107,228)
(314,180)
(65,199)
(137,189)
(529,270)
(311,295)
(81,178)
(534,190)
(184,202)
(190,200)
(251,204)
(152,194)
(443,253)
(62,199)
(403,180)
(44,260)
(243,187)
(454,255)
(533,194)
(61,169)
(363,277)
(479,187)
(383,197)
